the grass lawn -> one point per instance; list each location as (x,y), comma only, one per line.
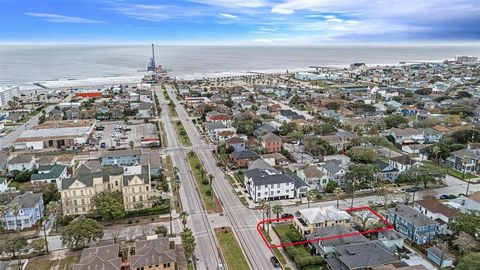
(197,167)
(63,264)
(190,265)
(165,95)
(451,171)
(282,231)
(231,250)
(182,134)
(162,134)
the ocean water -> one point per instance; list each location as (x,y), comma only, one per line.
(70,65)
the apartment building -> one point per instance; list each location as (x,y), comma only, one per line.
(133,182)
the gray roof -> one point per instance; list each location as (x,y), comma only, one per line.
(411,215)
(471,153)
(261,165)
(104,258)
(439,253)
(391,234)
(244,154)
(152,252)
(265,177)
(312,171)
(384,167)
(213,125)
(365,255)
(334,230)
(20,159)
(27,200)
(332,166)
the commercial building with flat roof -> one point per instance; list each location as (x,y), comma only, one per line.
(56,134)
(7,93)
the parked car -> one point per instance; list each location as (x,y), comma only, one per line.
(275,262)
(221,267)
(286,215)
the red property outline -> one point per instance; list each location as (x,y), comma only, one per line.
(389,227)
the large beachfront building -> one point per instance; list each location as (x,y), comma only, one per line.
(7,93)
(56,134)
(133,182)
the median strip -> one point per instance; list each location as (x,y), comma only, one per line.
(231,251)
(182,134)
(204,183)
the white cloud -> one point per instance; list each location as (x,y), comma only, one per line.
(56,18)
(266,29)
(228,16)
(233,3)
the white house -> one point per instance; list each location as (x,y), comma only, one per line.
(271,185)
(439,212)
(21,163)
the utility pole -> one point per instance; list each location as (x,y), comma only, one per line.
(45,234)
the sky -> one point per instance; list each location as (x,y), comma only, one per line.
(237,22)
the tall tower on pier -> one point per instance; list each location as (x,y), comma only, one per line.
(152,66)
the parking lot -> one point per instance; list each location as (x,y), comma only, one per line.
(121,135)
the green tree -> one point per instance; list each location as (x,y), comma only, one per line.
(188,242)
(360,176)
(316,147)
(468,223)
(331,186)
(38,244)
(3,214)
(469,262)
(53,209)
(332,105)
(394,120)
(277,209)
(80,233)
(162,230)
(183,216)
(423,174)
(16,246)
(109,205)
(362,154)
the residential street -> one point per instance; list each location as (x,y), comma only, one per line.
(198,220)
(242,219)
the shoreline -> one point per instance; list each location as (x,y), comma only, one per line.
(97,82)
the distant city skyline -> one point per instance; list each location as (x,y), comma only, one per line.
(242,22)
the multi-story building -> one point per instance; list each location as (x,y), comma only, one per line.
(7,94)
(31,210)
(439,212)
(272,185)
(50,174)
(133,182)
(313,218)
(412,224)
(272,143)
(465,160)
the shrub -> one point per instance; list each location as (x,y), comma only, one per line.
(208,192)
(205,182)
(157,210)
(65,220)
(291,251)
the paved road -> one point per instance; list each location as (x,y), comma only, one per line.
(9,138)
(198,220)
(242,219)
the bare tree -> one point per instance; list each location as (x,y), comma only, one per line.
(429,194)
(465,243)
(364,220)
(115,233)
(406,197)
(130,233)
(146,230)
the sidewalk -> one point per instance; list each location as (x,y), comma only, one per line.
(276,240)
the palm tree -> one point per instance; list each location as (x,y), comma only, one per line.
(16,210)
(52,209)
(3,213)
(263,204)
(183,216)
(210,177)
(337,195)
(310,195)
(277,209)
(436,152)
